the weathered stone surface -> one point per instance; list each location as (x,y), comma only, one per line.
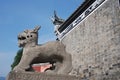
(52,52)
(39,76)
(95,44)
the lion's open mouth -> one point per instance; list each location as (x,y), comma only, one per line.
(21,38)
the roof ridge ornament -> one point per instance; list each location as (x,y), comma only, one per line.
(57,22)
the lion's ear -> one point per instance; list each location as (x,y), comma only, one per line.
(26,31)
(36,28)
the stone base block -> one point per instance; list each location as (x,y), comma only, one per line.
(39,76)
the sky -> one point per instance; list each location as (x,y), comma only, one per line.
(19,15)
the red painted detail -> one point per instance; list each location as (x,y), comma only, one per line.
(41,67)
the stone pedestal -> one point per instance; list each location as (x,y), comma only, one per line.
(39,76)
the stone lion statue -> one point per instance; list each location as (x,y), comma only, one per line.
(51,52)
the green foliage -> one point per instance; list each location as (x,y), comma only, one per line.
(17,58)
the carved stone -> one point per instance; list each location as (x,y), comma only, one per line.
(51,52)
(39,76)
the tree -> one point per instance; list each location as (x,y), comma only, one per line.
(17,58)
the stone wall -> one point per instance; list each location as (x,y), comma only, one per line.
(95,44)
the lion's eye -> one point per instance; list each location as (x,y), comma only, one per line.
(27,36)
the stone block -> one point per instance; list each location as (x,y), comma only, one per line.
(39,76)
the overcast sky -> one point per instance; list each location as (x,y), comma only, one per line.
(18,15)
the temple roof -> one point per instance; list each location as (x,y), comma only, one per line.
(75,14)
